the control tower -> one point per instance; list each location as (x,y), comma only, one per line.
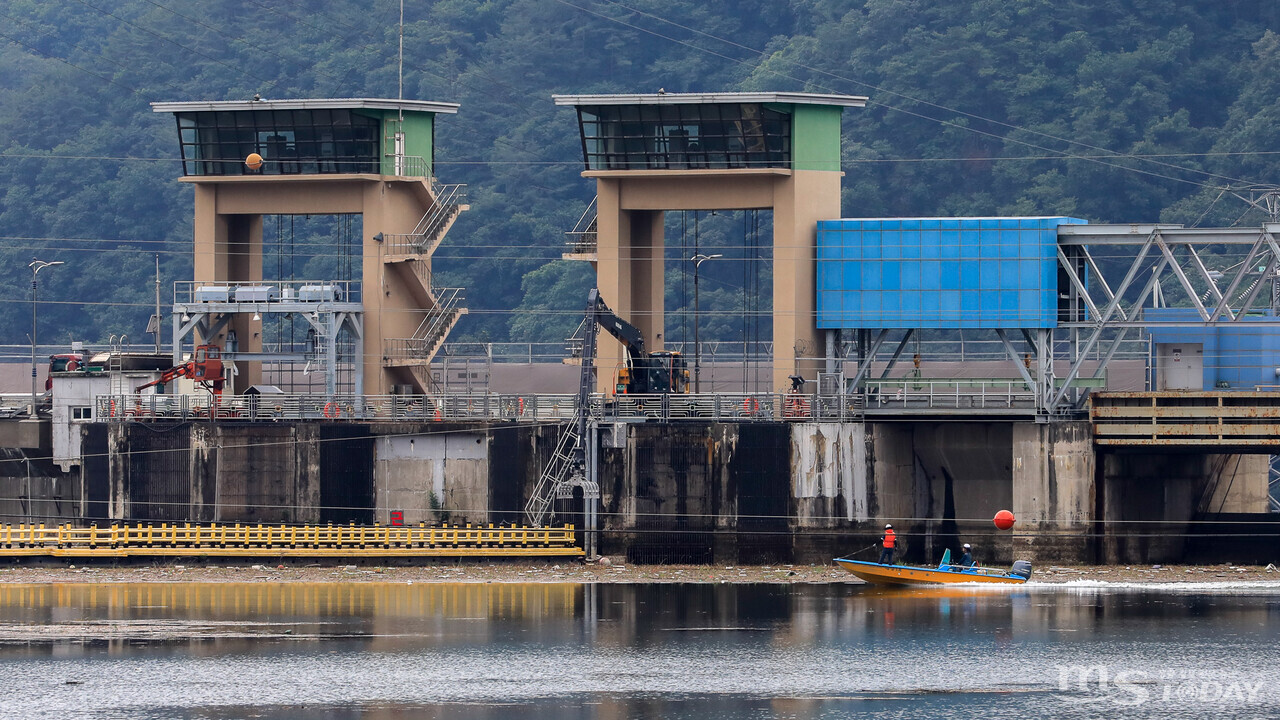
(711,151)
(368,157)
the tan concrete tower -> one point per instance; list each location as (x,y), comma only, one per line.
(370,157)
(714,151)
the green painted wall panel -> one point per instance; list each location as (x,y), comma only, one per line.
(815,137)
(418,137)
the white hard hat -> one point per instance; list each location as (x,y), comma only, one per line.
(966,546)
(888,527)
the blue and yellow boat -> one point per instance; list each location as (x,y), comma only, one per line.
(944,574)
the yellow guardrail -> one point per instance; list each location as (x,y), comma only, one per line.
(188,540)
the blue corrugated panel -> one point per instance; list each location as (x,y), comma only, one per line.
(938,272)
(1240,355)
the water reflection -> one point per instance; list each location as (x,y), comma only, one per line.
(621,651)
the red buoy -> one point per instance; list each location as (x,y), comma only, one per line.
(1004,520)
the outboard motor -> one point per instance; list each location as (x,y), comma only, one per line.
(1021,568)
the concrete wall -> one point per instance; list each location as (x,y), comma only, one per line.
(33,490)
(1238,484)
(1150,499)
(432,478)
(1053,488)
(724,493)
(215,473)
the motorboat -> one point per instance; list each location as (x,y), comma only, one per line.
(945,574)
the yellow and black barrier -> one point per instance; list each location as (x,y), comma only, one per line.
(314,541)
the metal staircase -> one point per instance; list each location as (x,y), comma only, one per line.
(449,202)
(560,474)
(583,237)
(412,253)
(422,347)
(568,466)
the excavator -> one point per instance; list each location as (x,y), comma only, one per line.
(656,373)
(205,368)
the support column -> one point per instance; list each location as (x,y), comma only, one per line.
(647,277)
(799,203)
(613,273)
(330,353)
(374,223)
(244,235)
(1054,487)
(228,248)
(1044,370)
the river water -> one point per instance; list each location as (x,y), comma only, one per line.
(617,652)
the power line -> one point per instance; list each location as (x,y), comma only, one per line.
(760,53)
(844,161)
(179,45)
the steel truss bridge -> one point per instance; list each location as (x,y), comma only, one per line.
(1112,274)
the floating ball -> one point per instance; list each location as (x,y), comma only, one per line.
(1004,520)
(254,161)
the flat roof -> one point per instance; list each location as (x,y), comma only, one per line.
(306,104)
(713,98)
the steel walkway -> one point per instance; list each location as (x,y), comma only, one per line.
(301,541)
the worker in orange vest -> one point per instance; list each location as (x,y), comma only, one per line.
(889,539)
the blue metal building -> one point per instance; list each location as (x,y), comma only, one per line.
(924,273)
(1240,356)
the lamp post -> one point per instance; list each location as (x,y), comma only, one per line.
(36,266)
(697,346)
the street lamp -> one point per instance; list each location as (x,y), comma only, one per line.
(697,347)
(36,266)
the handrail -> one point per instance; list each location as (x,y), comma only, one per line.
(414,166)
(266,291)
(426,235)
(486,407)
(585,231)
(187,539)
(428,336)
(983,397)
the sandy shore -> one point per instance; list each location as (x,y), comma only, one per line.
(608,571)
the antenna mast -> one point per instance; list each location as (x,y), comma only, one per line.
(399,138)
(400,96)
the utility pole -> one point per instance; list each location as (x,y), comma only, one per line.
(157,321)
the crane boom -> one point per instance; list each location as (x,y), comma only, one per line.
(626,333)
(205,368)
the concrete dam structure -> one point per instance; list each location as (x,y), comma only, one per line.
(326,400)
(724,492)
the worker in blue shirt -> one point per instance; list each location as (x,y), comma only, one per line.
(966,560)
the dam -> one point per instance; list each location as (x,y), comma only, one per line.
(1125,411)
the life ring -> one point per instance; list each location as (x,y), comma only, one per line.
(750,406)
(332,410)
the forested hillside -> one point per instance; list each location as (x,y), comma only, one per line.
(1107,110)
